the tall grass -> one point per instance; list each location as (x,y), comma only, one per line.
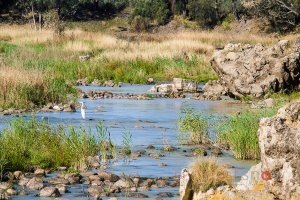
(193,127)
(27,143)
(20,88)
(207,174)
(240,132)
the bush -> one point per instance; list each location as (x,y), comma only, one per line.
(193,127)
(203,12)
(240,132)
(206,174)
(155,10)
(139,24)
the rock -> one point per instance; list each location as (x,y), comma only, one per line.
(279,142)
(35,183)
(49,192)
(18,175)
(1,109)
(82,82)
(62,188)
(254,71)
(150,81)
(165,194)
(40,172)
(110,83)
(70,108)
(122,184)
(23,181)
(108,176)
(150,147)
(163,164)
(269,102)
(137,195)
(199,152)
(169,148)
(73,178)
(251,179)
(113,198)
(84,58)
(56,181)
(11,192)
(185,85)
(5,185)
(216,152)
(148,183)
(230,195)
(185,189)
(95,191)
(161,183)
(210,192)
(163,88)
(58,108)
(23,193)
(213,90)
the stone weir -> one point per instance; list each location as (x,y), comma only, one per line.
(254,70)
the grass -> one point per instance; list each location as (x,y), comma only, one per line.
(27,143)
(240,132)
(117,56)
(207,174)
(20,88)
(193,127)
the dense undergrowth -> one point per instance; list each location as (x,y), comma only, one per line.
(28,143)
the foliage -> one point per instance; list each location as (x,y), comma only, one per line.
(206,174)
(155,10)
(27,143)
(193,127)
(126,148)
(284,15)
(240,132)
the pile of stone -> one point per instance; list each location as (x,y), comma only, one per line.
(254,70)
(178,85)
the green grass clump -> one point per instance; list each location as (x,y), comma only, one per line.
(27,143)
(240,132)
(193,127)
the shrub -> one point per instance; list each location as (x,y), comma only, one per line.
(207,174)
(240,132)
(139,24)
(155,10)
(193,127)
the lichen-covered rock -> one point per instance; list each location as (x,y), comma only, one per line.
(279,141)
(247,70)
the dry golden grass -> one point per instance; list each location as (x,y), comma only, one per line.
(16,76)
(128,47)
(206,174)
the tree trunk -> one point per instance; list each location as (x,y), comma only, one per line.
(185,12)
(33,17)
(217,8)
(40,21)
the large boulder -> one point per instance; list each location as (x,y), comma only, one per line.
(255,70)
(279,141)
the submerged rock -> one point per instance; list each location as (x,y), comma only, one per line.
(255,71)
(279,141)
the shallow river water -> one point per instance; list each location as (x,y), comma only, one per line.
(150,122)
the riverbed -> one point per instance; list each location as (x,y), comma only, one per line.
(151,122)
